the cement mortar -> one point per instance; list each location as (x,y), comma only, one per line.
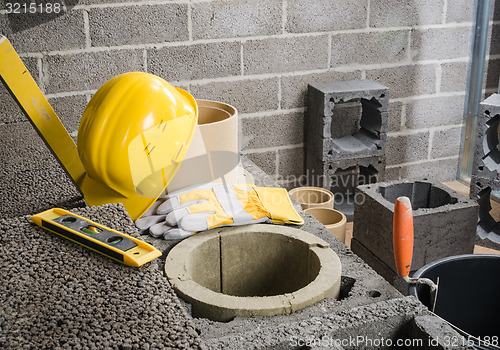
(58,294)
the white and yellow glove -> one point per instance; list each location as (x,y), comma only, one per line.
(199,208)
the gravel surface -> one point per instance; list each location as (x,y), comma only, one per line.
(56,294)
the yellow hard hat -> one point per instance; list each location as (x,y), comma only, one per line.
(132,138)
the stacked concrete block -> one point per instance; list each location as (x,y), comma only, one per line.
(444,224)
(346,133)
(486,170)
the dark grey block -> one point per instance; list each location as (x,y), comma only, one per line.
(72,297)
(277,55)
(9,109)
(346,120)
(342,177)
(291,163)
(380,267)
(486,164)
(444,221)
(486,170)
(488,228)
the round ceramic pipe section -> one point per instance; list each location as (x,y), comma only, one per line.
(213,154)
(212,111)
(334,220)
(252,270)
(313,197)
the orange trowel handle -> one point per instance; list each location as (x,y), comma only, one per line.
(403,235)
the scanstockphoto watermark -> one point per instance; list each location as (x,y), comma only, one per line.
(360,341)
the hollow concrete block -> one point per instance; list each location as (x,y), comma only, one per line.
(346,120)
(342,177)
(444,221)
(71,72)
(486,164)
(488,228)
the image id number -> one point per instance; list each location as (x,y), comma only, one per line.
(16,7)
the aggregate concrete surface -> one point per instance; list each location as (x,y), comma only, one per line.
(32,179)
(57,294)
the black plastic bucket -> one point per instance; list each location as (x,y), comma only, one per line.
(468,294)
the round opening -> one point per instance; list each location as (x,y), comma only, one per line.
(262,265)
(312,196)
(327,216)
(253,270)
(213,112)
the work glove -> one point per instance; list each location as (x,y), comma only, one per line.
(199,208)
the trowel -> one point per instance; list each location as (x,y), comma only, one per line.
(403,246)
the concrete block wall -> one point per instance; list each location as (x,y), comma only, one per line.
(260,56)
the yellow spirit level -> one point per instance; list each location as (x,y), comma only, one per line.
(113,244)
